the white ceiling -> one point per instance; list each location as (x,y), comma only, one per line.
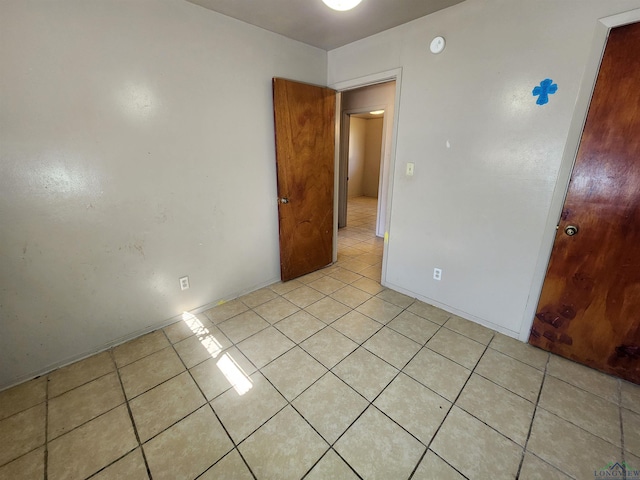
(312,22)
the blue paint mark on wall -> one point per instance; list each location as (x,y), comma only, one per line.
(546,88)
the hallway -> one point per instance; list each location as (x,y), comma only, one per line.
(358,245)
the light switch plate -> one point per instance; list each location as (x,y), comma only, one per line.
(410,167)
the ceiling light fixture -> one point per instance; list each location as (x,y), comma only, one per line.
(341,5)
(377,112)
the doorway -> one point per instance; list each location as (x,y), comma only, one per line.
(358,243)
(364,157)
(364,165)
(350,91)
(366,126)
(297,183)
(360,251)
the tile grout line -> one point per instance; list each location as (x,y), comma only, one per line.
(331,449)
(600,397)
(223,457)
(621,425)
(450,407)
(329,325)
(539,407)
(46,430)
(85,423)
(290,402)
(576,425)
(154,386)
(453,404)
(400,370)
(321,456)
(506,388)
(118,367)
(427,451)
(207,403)
(535,411)
(331,444)
(329,371)
(371,403)
(131,419)
(79,385)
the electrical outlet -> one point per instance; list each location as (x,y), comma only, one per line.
(184,283)
(437,274)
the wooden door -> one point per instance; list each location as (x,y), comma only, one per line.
(589,310)
(305,143)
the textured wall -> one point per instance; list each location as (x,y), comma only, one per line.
(357,156)
(486,156)
(136,146)
(373,151)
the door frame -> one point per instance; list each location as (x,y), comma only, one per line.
(345,133)
(386,173)
(587,85)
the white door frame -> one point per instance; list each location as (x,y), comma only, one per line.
(603,27)
(386,174)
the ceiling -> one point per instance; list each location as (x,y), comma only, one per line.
(312,22)
(366,116)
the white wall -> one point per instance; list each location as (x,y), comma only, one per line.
(373,151)
(357,156)
(486,156)
(136,146)
(365,144)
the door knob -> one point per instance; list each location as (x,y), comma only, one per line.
(571,230)
(284,200)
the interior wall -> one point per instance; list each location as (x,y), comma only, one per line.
(357,156)
(372,152)
(136,146)
(486,155)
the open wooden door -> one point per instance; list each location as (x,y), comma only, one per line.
(305,144)
(589,310)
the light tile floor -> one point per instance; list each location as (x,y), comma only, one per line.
(330,376)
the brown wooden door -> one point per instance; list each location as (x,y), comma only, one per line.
(305,143)
(589,310)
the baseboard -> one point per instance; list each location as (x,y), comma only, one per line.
(120,340)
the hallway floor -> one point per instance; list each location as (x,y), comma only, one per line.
(330,376)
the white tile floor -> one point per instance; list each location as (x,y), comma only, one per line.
(330,376)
